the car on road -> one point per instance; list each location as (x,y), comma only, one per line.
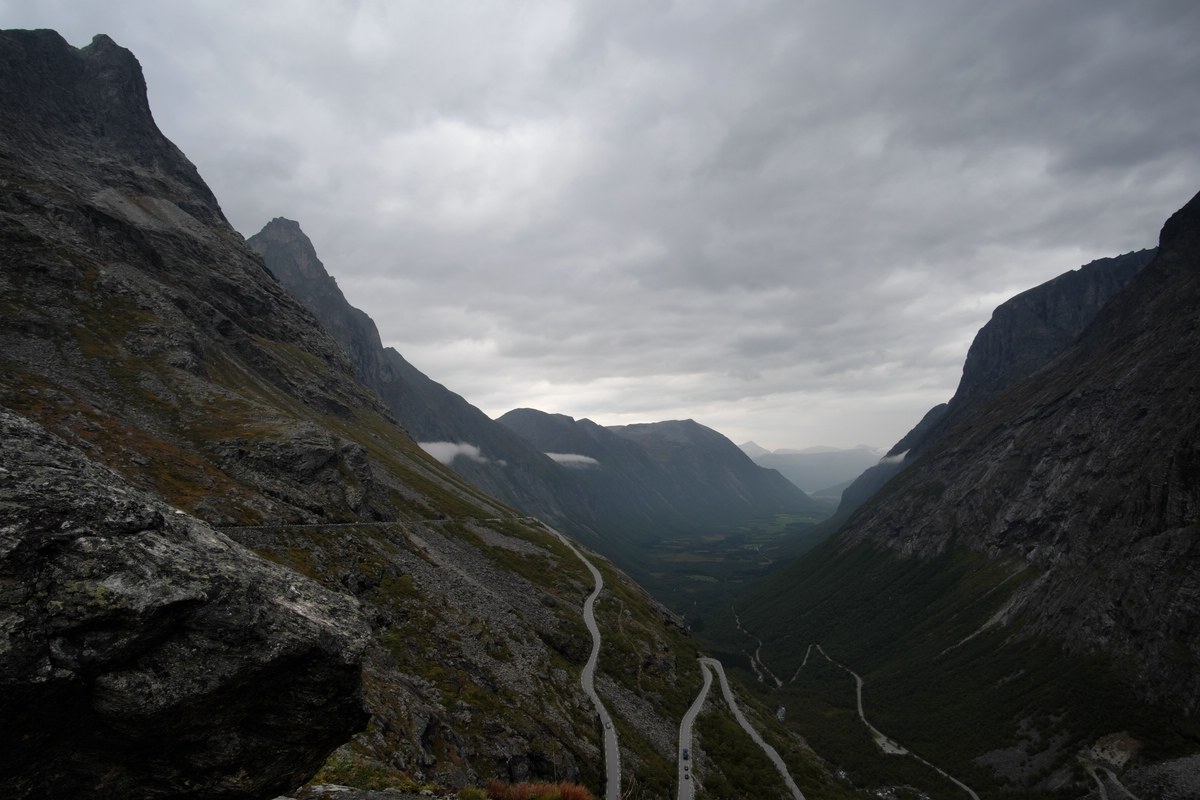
(685,754)
(608,726)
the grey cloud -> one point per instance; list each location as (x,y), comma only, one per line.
(783,219)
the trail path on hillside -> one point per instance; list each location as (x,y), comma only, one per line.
(1112,776)
(1094,770)
(706,663)
(885,743)
(612,754)
(756,662)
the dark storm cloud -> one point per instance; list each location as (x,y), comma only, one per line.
(784,219)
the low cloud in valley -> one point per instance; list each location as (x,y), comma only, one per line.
(574,460)
(446,452)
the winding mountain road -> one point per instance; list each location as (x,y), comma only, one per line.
(885,743)
(612,754)
(772,754)
(687,789)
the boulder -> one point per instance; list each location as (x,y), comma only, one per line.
(144,654)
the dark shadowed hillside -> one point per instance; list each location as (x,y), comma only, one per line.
(686,508)
(1033,575)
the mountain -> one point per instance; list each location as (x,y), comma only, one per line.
(1024,594)
(602,488)
(1025,333)
(506,466)
(753,449)
(681,477)
(609,466)
(709,471)
(683,510)
(816,469)
(173,421)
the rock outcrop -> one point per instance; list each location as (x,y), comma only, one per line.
(146,655)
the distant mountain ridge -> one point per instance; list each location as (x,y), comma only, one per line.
(704,463)
(674,479)
(679,464)
(629,498)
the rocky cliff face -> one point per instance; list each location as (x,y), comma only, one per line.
(1028,331)
(147,655)
(1024,334)
(1086,470)
(1027,588)
(127,292)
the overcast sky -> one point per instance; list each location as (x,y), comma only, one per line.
(785,220)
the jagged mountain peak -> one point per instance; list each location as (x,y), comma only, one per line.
(1028,330)
(93,86)
(59,104)
(1024,335)
(292,257)
(1184,223)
